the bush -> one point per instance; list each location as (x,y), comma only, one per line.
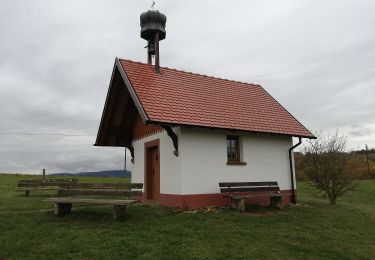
(327,166)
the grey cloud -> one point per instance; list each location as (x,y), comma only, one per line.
(361,131)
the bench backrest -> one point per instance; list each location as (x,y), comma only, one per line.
(229,187)
(46,182)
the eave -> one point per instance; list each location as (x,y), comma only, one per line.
(172,124)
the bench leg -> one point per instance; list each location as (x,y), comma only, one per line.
(119,211)
(61,193)
(62,209)
(27,193)
(238,204)
(276,202)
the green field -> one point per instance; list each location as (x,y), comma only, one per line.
(312,230)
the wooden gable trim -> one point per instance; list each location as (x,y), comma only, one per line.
(131,91)
(141,130)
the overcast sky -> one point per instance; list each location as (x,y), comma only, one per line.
(317,58)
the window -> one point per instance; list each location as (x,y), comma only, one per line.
(233,150)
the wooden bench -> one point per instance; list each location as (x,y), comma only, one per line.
(63,205)
(239,191)
(47,184)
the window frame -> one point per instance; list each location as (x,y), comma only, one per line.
(237,159)
(235,149)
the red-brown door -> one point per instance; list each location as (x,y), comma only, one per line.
(153,172)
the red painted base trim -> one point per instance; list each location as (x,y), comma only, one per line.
(196,201)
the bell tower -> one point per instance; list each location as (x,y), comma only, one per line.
(153,30)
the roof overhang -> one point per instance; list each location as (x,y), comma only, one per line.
(229,129)
(120,111)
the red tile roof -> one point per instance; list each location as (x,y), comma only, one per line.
(185,98)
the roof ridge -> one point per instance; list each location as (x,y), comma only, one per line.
(197,74)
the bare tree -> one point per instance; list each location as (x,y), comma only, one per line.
(327,166)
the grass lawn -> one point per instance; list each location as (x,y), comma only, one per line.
(313,230)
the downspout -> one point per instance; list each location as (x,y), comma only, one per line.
(293,198)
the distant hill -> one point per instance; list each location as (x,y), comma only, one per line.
(113,173)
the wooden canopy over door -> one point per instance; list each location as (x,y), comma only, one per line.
(152,170)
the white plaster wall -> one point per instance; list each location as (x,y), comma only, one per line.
(170,165)
(203,160)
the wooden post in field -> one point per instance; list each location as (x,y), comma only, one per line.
(44,174)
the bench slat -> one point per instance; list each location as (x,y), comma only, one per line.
(234,196)
(87,185)
(249,184)
(106,192)
(34,189)
(46,181)
(90,201)
(249,189)
(48,184)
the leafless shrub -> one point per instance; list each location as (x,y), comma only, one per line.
(327,166)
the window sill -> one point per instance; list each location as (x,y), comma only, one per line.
(235,163)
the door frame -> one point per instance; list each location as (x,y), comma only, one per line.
(148,177)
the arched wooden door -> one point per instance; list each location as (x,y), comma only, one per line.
(152,171)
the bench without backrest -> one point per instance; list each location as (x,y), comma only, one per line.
(239,191)
(63,205)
